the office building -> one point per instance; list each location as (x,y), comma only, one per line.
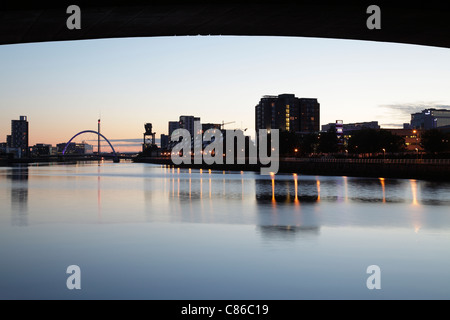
(288,113)
(187,122)
(348,127)
(41,149)
(309,115)
(173,125)
(75,148)
(207,126)
(19,136)
(430,119)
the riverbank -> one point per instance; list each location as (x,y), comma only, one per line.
(421,169)
(57,159)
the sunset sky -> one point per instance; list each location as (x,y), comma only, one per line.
(63,87)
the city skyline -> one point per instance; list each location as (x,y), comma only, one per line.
(64,87)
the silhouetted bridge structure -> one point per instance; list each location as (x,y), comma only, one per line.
(112,155)
(410,22)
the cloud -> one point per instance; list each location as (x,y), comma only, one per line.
(401,112)
(406,109)
(391,125)
(121,140)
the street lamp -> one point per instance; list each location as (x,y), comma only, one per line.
(417,150)
(384,154)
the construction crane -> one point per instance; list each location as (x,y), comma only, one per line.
(224,123)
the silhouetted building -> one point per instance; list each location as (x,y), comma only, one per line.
(309,115)
(41,149)
(8,141)
(173,125)
(407,126)
(164,141)
(207,126)
(75,148)
(19,136)
(348,127)
(288,113)
(430,119)
(187,122)
(3,147)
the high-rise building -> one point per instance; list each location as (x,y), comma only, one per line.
(173,125)
(19,135)
(207,126)
(187,122)
(309,115)
(289,113)
(430,119)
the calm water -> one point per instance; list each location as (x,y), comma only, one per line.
(141,231)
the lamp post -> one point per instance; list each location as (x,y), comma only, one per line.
(384,154)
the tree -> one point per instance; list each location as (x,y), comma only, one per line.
(328,141)
(390,142)
(309,144)
(289,141)
(373,141)
(434,141)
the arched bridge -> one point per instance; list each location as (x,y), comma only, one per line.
(411,22)
(97,133)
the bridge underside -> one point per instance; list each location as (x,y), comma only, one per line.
(422,23)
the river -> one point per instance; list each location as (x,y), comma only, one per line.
(143,231)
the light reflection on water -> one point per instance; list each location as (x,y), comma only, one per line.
(235,235)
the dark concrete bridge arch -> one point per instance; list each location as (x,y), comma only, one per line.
(410,22)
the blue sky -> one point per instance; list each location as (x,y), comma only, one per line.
(64,86)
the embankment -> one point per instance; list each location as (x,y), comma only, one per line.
(429,169)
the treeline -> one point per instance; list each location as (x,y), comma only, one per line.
(367,142)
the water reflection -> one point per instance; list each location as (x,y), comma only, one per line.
(99,192)
(282,189)
(320,231)
(383,187)
(287,232)
(286,201)
(414,192)
(283,203)
(19,195)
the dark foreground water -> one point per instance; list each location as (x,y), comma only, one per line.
(140,231)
